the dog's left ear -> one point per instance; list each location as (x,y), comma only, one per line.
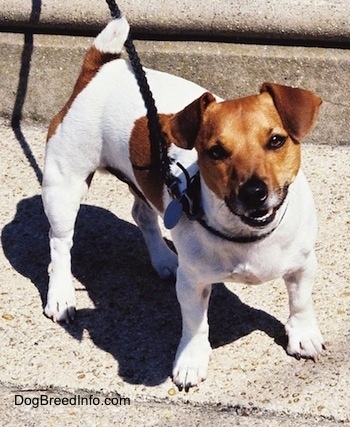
(298,108)
(185,125)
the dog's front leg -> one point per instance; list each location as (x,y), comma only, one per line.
(192,357)
(304,337)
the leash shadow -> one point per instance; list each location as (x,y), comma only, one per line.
(17,112)
(136,316)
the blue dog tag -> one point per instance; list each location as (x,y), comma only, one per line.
(173,214)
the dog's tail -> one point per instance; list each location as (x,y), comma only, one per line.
(107,46)
(112,38)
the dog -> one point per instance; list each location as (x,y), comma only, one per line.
(257,218)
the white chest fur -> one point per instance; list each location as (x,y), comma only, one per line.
(245,273)
(213,259)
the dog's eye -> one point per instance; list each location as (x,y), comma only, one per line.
(217,152)
(276,141)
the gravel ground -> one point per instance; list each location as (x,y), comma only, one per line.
(128,324)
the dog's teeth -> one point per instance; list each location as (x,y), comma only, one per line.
(262,215)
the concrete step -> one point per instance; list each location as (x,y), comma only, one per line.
(300,20)
(230,50)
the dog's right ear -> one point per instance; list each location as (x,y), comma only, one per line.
(185,125)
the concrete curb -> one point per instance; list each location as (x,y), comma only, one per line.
(38,73)
(272,20)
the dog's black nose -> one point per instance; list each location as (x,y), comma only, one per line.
(253,193)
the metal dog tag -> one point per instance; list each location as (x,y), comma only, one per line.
(173,214)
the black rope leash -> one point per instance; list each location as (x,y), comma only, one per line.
(159,152)
(186,201)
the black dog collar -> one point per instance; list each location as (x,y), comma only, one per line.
(189,202)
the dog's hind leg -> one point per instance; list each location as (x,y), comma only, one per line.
(61,198)
(163,259)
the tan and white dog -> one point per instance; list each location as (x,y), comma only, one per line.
(259,220)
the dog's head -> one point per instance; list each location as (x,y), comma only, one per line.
(249,148)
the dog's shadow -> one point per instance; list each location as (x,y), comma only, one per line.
(136,316)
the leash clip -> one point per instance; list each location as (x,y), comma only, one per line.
(187,202)
(173,187)
(174,210)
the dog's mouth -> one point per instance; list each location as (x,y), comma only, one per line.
(259,218)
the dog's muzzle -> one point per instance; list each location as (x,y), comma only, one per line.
(253,204)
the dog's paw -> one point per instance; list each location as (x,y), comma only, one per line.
(60,305)
(304,338)
(191,364)
(165,263)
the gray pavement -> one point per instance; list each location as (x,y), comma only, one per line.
(120,348)
(128,324)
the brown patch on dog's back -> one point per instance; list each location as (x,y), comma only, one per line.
(144,157)
(180,128)
(93,61)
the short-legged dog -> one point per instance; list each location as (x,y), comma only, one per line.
(258,218)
